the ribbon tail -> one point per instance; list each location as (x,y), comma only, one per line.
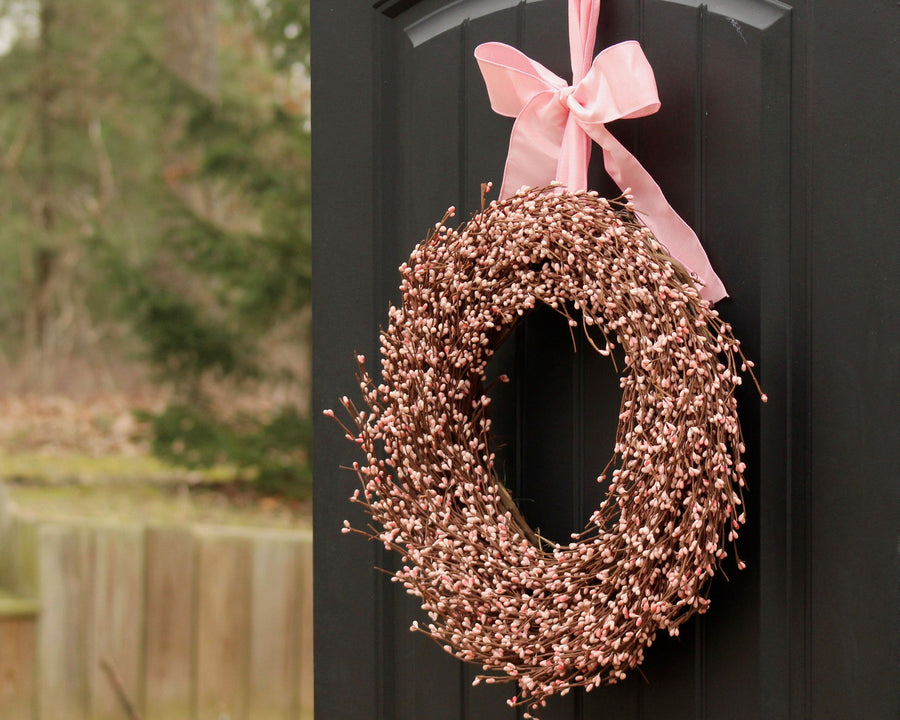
(666,225)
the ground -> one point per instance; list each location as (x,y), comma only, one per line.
(61,458)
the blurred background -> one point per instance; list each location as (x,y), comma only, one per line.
(155,241)
(154,358)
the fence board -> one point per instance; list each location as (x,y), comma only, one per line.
(66,586)
(5,517)
(198,623)
(305,642)
(169,630)
(17,663)
(117,618)
(273,626)
(18,556)
(223,628)
(6,520)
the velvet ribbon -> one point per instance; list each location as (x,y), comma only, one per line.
(555,123)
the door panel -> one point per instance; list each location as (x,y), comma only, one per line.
(718,147)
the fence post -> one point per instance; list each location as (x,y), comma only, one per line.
(223,626)
(117,617)
(170,623)
(66,568)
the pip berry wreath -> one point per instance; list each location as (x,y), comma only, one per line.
(551,617)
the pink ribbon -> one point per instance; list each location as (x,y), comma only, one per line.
(555,123)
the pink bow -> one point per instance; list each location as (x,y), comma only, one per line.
(555,122)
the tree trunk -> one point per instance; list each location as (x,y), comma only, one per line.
(39,258)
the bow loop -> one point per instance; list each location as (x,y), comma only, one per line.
(619,85)
(512,78)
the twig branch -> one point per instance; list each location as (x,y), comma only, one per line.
(116,682)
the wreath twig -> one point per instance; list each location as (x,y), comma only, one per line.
(551,617)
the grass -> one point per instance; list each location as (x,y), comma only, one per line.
(139,489)
(55,468)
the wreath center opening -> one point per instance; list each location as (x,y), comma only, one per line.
(553,425)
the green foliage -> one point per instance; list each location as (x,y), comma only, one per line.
(177,337)
(234,255)
(270,450)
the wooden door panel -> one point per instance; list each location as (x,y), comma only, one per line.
(717,147)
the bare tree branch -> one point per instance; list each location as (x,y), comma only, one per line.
(119,690)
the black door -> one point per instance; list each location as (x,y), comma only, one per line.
(776,142)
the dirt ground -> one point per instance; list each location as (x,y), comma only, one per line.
(56,425)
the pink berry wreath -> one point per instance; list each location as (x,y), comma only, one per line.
(551,617)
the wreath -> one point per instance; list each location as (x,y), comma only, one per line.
(551,616)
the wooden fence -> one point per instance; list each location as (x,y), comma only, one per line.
(197,623)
